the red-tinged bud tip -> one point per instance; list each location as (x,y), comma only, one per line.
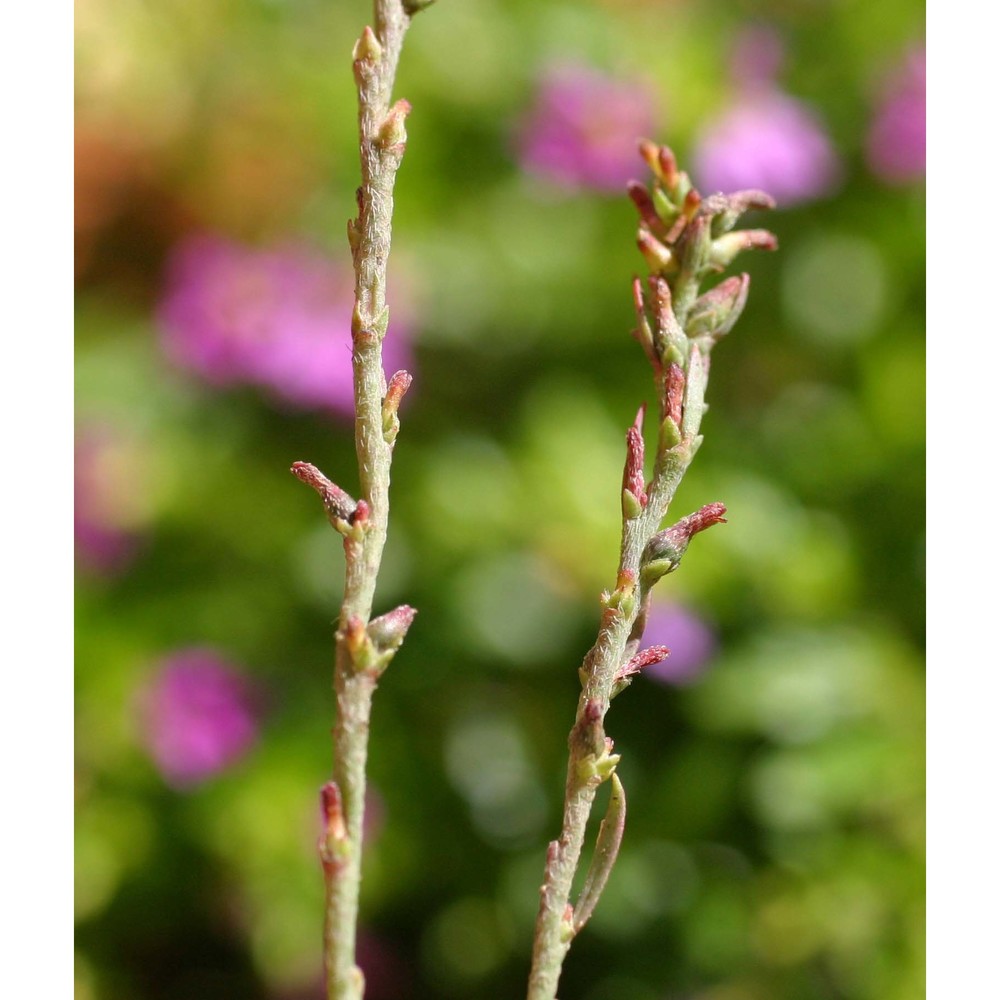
(711,513)
(361,513)
(333,811)
(310,475)
(397,387)
(633,478)
(644,658)
(354,634)
(388,630)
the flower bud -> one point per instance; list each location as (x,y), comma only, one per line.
(388,631)
(714,314)
(666,548)
(633,480)
(658,257)
(392,134)
(726,247)
(339,505)
(643,201)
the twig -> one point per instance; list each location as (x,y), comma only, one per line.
(364,648)
(683,238)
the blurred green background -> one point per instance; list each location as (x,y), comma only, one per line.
(774,847)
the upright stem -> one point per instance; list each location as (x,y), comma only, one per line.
(382,141)
(683,238)
(555,925)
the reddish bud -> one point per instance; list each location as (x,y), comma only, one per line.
(396,389)
(354,635)
(633,479)
(644,203)
(389,630)
(592,711)
(665,549)
(339,505)
(644,658)
(333,811)
(361,513)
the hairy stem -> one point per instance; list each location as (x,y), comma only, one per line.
(683,239)
(357,668)
(555,926)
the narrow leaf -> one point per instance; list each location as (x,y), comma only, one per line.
(609,839)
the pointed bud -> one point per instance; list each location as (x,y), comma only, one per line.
(367,48)
(394,393)
(725,248)
(650,152)
(644,658)
(392,134)
(714,314)
(361,514)
(675,381)
(726,209)
(333,842)
(666,548)
(633,479)
(689,209)
(413,7)
(668,171)
(339,505)
(354,635)
(658,257)
(643,201)
(388,631)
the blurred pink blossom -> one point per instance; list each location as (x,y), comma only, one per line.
(896,148)
(582,129)
(198,716)
(106,513)
(278,318)
(691,642)
(765,138)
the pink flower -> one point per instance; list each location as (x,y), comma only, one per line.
(277,318)
(107,512)
(765,139)
(896,148)
(691,642)
(198,716)
(583,127)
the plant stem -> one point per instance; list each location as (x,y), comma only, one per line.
(382,141)
(683,239)
(555,926)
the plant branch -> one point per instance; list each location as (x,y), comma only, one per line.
(364,647)
(683,239)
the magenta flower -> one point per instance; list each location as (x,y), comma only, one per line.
(278,318)
(198,716)
(896,148)
(765,139)
(583,128)
(691,643)
(107,510)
